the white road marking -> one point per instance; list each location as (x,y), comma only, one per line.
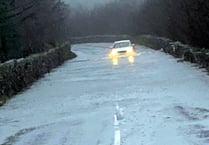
(119,112)
(116,123)
(117,135)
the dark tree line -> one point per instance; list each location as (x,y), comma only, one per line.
(112,18)
(186,21)
(31,26)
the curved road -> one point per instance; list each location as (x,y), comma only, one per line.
(89,101)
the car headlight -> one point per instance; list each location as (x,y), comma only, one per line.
(130,50)
(114,52)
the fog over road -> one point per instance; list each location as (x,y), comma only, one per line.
(161,102)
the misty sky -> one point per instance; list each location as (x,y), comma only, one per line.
(86,3)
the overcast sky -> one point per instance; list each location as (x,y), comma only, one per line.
(86,3)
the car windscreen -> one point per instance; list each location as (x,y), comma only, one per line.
(122,44)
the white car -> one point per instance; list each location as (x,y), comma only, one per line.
(123,47)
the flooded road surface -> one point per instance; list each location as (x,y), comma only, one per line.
(90,101)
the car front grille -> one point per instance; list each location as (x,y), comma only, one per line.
(121,51)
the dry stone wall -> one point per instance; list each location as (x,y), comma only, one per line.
(16,75)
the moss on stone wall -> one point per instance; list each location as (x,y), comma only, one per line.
(16,75)
(99,38)
(176,49)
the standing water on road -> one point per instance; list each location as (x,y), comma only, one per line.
(161,102)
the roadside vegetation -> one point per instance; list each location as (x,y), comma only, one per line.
(185,21)
(31,26)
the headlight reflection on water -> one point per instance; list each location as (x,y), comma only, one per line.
(115,60)
(131,59)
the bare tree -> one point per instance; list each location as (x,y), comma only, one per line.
(30,25)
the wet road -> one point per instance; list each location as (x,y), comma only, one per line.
(161,102)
